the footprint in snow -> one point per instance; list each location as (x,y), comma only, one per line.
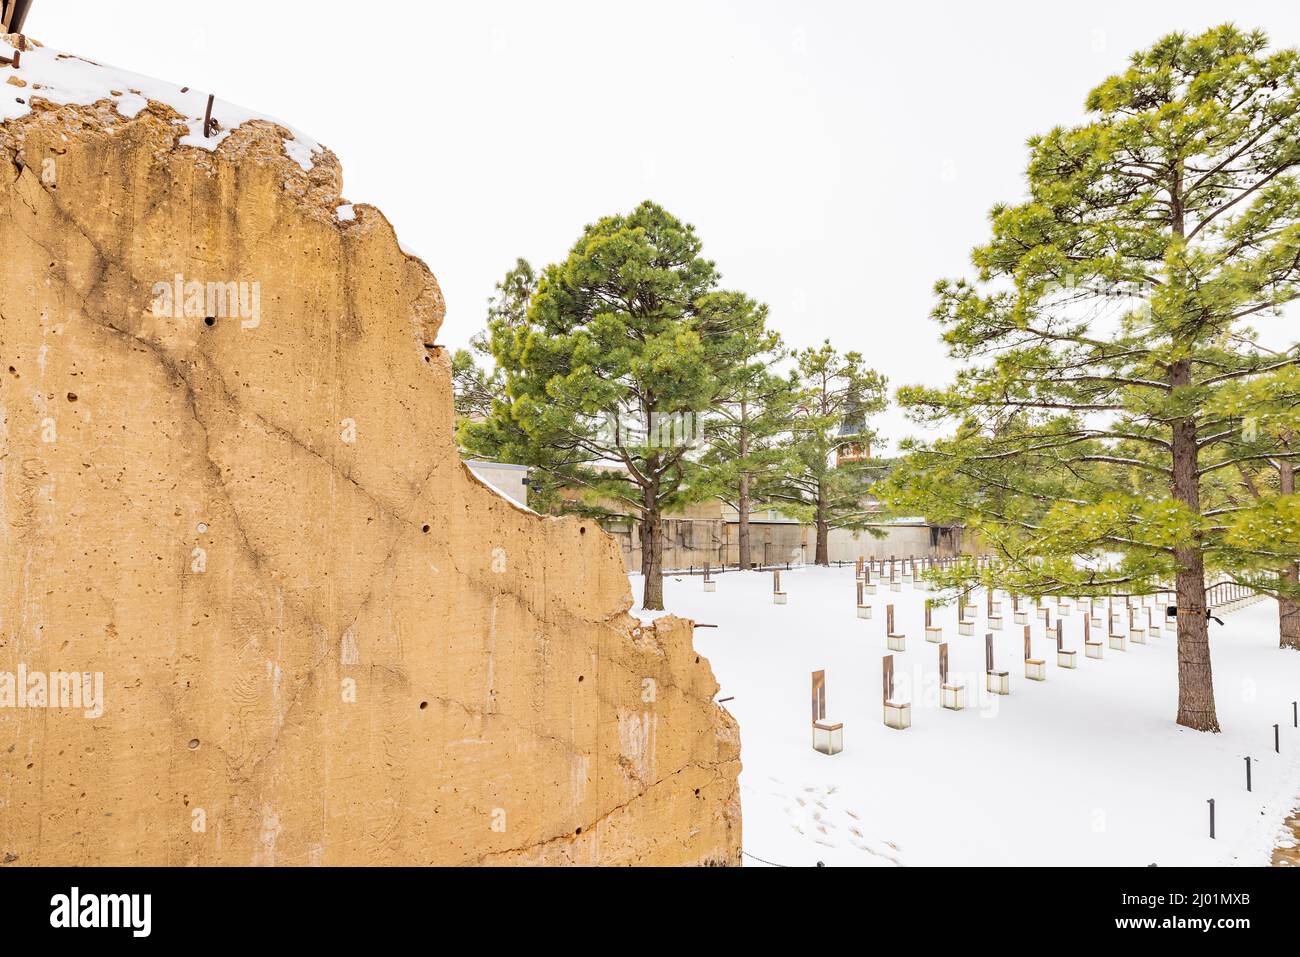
(875,853)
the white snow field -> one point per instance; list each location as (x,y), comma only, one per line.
(1085,768)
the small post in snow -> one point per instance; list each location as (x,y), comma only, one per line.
(1277,743)
(827,736)
(995,682)
(1035,668)
(893,641)
(952,695)
(932,632)
(1067,659)
(898,714)
(1211,803)
(1248,773)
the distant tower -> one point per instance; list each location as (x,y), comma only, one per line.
(852,426)
(12,15)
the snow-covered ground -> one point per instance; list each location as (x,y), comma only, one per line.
(1085,768)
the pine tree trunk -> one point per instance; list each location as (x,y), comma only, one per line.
(652,553)
(1288,608)
(1195,682)
(823,530)
(742,525)
(1289,613)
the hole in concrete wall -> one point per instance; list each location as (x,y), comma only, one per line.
(578,831)
(72,397)
(580,677)
(425,529)
(582,530)
(194,743)
(423,705)
(209,321)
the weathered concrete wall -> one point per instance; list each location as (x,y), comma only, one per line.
(322,640)
(903,541)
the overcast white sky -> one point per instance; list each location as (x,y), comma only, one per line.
(837,158)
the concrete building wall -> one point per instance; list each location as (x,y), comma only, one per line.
(900,540)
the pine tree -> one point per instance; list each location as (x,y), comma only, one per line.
(625,346)
(473,388)
(744,456)
(1105,340)
(826,477)
(486,429)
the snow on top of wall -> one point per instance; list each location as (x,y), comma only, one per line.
(64,79)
